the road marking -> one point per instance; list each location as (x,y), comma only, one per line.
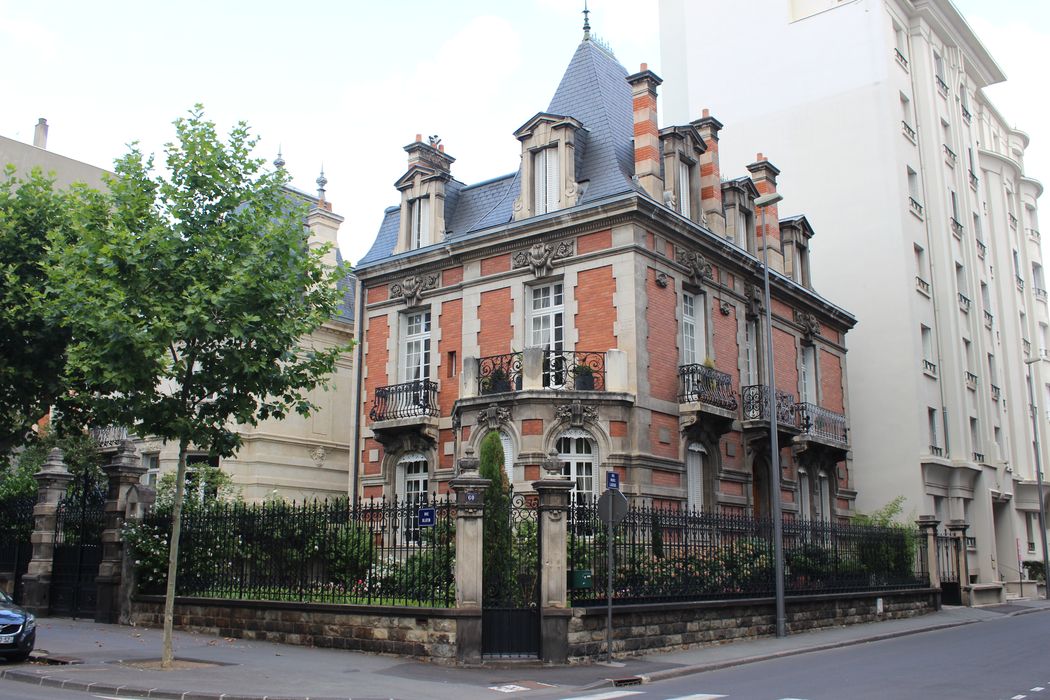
(1037,689)
(508,688)
(607,696)
(1018,697)
(701,696)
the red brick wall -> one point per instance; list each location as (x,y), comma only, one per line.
(376,338)
(376,294)
(532,426)
(598,240)
(373,492)
(732,488)
(617,428)
(445,461)
(597,314)
(830,333)
(662,341)
(831,381)
(727,349)
(735,461)
(670,424)
(495,312)
(785,364)
(781,309)
(451,323)
(663,478)
(497,263)
(452,275)
(375,467)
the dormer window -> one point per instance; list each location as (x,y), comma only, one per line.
(545,169)
(419,226)
(685,171)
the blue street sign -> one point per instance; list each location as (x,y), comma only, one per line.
(427,517)
(612,481)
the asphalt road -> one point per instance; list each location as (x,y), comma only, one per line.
(1007,659)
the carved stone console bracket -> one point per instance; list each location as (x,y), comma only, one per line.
(699,267)
(493,417)
(576,413)
(541,256)
(810,325)
(411,288)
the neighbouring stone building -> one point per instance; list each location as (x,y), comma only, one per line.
(602,305)
(878,108)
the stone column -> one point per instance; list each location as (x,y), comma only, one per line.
(928,531)
(469,488)
(52,481)
(532,368)
(123,472)
(958,528)
(553,493)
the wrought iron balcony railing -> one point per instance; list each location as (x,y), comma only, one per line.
(901,59)
(755,400)
(922,285)
(988,319)
(941,85)
(408,400)
(109,436)
(574,369)
(822,423)
(949,155)
(973,179)
(1013,221)
(499,373)
(982,249)
(916,206)
(908,131)
(957,227)
(966,114)
(706,385)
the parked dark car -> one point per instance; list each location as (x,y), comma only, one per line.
(17,630)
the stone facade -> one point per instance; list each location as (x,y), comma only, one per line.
(639,629)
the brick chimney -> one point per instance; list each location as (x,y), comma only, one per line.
(711,173)
(646,131)
(764,175)
(40,133)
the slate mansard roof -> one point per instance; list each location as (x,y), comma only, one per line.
(595,92)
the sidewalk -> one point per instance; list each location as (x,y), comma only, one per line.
(231,669)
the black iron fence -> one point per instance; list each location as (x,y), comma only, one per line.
(499,373)
(706,385)
(672,555)
(755,400)
(371,552)
(407,400)
(16,527)
(821,423)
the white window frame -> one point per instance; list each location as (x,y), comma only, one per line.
(751,341)
(695,471)
(545,178)
(151,461)
(805,496)
(694,328)
(419,224)
(546,328)
(415,345)
(578,453)
(507,442)
(684,191)
(809,382)
(824,496)
(413,489)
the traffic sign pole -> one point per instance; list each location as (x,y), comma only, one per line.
(609,587)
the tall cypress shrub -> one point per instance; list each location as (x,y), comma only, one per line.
(498,555)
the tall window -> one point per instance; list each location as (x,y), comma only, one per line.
(927,342)
(420,226)
(546,330)
(415,346)
(576,452)
(694,328)
(545,179)
(507,444)
(684,170)
(931,424)
(695,464)
(920,261)
(809,374)
(938,65)
(823,496)
(913,184)
(975,436)
(414,479)
(151,461)
(805,497)
(751,352)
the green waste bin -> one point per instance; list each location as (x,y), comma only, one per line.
(581,578)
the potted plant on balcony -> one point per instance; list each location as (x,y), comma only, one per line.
(497,382)
(584,377)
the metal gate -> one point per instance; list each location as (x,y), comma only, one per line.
(510,615)
(948,565)
(78,550)
(16,528)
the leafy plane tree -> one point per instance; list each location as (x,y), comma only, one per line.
(189,296)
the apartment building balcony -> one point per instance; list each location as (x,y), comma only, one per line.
(901,60)
(915,206)
(559,370)
(409,408)
(982,249)
(967,117)
(957,228)
(1026,345)
(1020,282)
(1013,221)
(942,87)
(908,131)
(996,392)
(1033,234)
(988,319)
(1039,293)
(706,397)
(821,430)
(971,380)
(964,303)
(754,410)
(922,285)
(109,437)
(949,156)
(929,368)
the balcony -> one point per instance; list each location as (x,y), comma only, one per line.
(1039,293)
(982,249)
(949,156)
(957,228)
(821,425)
(942,87)
(971,380)
(964,303)
(499,373)
(973,179)
(901,60)
(405,408)
(908,131)
(706,396)
(988,319)
(922,285)
(1020,283)
(560,370)
(109,437)
(755,400)
(978,457)
(936,451)
(996,392)
(1013,221)
(1027,346)
(1033,234)
(967,117)
(929,368)
(916,207)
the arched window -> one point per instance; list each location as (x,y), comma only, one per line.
(695,468)
(413,480)
(508,456)
(577,453)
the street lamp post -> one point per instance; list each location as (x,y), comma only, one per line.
(764,202)
(1039,486)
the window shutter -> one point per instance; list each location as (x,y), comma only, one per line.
(552,178)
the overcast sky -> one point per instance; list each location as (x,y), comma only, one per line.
(348,84)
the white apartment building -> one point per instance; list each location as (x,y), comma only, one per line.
(875,110)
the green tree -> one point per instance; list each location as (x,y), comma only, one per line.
(189,295)
(497,563)
(32,344)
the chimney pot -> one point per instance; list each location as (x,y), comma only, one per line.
(419,137)
(441,147)
(645,67)
(760,157)
(706,112)
(40,133)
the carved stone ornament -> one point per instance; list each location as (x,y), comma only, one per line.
(661,280)
(493,416)
(753,295)
(318,455)
(411,288)
(576,413)
(698,266)
(810,324)
(723,307)
(541,257)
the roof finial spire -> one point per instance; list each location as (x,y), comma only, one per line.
(279,160)
(321,182)
(586,22)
